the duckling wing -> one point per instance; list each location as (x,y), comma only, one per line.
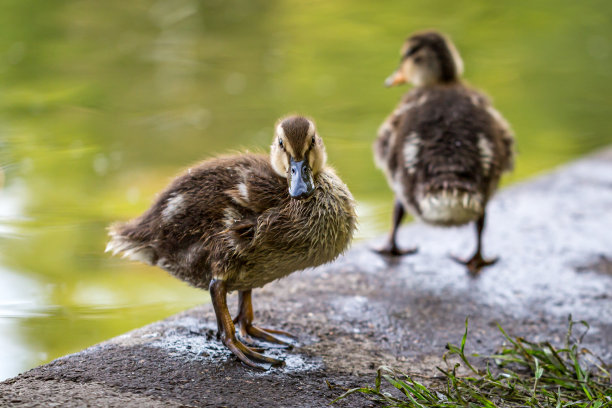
(504,136)
(256,190)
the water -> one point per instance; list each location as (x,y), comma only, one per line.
(102,102)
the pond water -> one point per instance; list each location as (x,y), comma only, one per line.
(101,103)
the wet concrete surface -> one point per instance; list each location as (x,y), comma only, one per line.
(554,237)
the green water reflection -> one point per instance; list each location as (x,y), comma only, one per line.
(102,102)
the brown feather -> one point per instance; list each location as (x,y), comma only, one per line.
(444,143)
(296,132)
(232,218)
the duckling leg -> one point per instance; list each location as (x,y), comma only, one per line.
(246,330)
(477,262)
(218,294)
(390,248)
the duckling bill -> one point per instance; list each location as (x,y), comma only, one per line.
(444,148)
(236,223)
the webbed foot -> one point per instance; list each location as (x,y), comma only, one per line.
(249,356)
(390,249)
(248,332)
(475,263)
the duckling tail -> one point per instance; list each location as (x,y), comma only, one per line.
(451,205)
(121,243)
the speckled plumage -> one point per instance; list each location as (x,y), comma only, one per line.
(444,140)
(444,148)
(235,221)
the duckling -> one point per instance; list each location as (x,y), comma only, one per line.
(238,222)
(444,148)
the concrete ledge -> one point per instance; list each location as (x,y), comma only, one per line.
(554,236)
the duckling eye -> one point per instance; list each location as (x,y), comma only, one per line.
(418,60)
(313,141)
(280,143)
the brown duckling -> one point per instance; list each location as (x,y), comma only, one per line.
(444,148)
(239,222)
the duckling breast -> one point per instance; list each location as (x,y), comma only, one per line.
(300,234)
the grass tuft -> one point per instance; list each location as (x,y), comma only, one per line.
(522,374)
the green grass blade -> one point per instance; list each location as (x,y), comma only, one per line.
(527,374)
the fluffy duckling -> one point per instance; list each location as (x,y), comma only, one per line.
(238,222)
(444,148)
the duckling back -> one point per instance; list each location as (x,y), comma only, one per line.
(443,150)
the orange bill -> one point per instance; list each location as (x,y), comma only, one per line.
(395,78)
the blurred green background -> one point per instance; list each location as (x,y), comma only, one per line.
(102,102)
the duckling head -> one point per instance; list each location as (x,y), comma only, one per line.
(298,154)
(427,58)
